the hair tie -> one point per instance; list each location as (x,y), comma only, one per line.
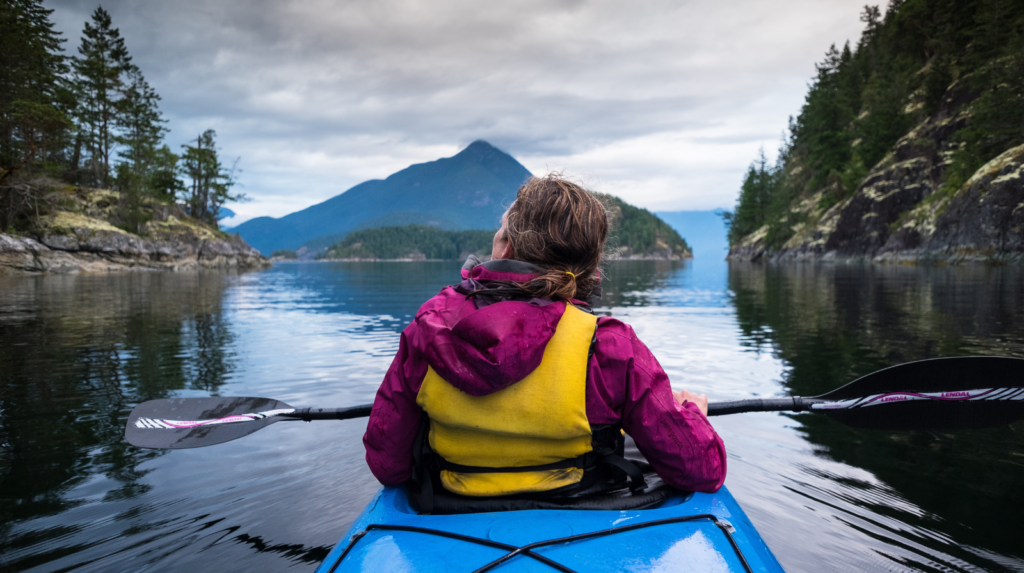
(571,275)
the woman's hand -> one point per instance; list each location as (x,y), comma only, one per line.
(701,400)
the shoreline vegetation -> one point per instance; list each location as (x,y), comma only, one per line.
(87,183)
(909,148)
(81,234)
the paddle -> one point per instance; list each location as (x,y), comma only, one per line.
(942,393)
(180,423)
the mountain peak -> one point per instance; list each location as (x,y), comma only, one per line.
(481,150)
(480,145)
(467,191)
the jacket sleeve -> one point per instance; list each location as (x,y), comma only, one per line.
(395,417)
(678,440)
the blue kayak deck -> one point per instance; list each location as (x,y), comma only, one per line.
(685,533)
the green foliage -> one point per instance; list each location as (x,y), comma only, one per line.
(164,182)
(33,119)
(103,61)
(752,208)
(863,100)
(997,123)
(141,132)
(640,230)
(765,198)
(285,254)
(94,122)
(410,241)
(211,182)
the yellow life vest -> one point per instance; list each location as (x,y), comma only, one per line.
(539,420)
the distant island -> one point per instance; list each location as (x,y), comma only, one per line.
(909,148)
(442,209)
(412,242)
(636,234)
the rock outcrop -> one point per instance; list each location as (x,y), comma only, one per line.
(82,240)
(982,222)
(900,212)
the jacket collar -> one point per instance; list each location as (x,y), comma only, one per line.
(474,270)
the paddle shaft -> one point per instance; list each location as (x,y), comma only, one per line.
(310,414)
(937,394)
(791,404)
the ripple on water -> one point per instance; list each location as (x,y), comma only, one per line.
(77,353)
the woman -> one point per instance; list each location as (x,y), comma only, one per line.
(506,384)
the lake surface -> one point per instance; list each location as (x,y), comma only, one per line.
(78,352)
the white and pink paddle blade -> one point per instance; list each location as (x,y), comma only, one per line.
(179,423)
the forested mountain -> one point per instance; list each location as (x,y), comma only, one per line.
(411,242)
(467,191)
(908,146)
(636,233)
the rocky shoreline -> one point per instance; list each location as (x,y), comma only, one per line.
(81,239)
(895,219)
(902,214)
(66,254)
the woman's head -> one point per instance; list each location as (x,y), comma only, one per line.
(559,226)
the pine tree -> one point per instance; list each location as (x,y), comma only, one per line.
(211,182)
(163,177)
(140,131)
(756,198)
(102,62)
(32,122)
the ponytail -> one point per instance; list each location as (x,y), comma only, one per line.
(561,227)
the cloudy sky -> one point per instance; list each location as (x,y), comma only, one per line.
(661,103)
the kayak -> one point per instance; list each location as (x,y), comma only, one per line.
(687,532)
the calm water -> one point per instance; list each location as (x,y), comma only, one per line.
(77,352)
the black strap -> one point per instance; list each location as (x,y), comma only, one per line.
(421,469)
(637,483)
(582,462)
(589,460)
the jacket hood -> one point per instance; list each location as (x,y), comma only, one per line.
(481,345)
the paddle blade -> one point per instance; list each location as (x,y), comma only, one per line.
(939,394)
(180,423)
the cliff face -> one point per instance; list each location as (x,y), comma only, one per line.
(899,212)
(80,238)
(983,221)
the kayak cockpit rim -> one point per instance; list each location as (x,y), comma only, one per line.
(527,550)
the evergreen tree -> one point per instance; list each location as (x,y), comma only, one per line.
(32,121)
(863,100)
(822,125)
(140,131)
(103,61)
(755,201)
(163,178)
(211,183)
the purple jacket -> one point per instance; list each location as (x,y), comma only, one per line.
(481,346)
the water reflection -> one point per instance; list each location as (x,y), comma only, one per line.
(832,324)
(78,353)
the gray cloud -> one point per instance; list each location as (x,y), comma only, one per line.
(663,103)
